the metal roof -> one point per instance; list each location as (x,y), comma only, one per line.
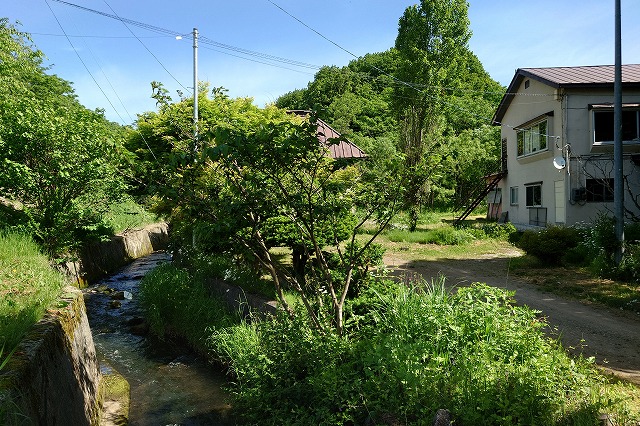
(597,76)
(344,149)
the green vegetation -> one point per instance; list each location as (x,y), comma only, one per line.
(59,162)
(406,352)
(127,214)
(28,286)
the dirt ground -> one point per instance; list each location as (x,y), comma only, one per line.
(611,336)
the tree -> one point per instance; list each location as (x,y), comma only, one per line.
(59,159)
(431,44)
(261,178)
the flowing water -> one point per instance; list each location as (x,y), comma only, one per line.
(170,385)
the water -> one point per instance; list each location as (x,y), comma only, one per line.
(170,385)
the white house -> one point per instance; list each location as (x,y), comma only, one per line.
(557,137)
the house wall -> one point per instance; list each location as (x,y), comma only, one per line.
(571,124)
(587,160)
(536,100)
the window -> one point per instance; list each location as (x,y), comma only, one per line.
(534,195)
(513,195)
(603,124)
(533,138)
(599,190)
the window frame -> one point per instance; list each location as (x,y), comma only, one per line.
(513,195)
(532,196)
(599,190)
(602,137)
(530,139)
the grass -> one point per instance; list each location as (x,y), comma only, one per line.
(128,215)
(413,351)
(28,286)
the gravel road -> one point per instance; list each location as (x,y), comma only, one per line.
(611,336)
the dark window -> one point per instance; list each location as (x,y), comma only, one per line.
(599,190)
(534,195)
(603,125)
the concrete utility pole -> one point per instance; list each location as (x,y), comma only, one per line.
(618,178)
(195,89)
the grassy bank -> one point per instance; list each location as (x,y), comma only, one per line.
(406,352)
(28,286)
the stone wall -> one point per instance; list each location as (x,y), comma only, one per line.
(100,259)
(53,376)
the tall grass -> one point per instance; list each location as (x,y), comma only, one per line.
(177,302)
(28,286)
(440,236)
(412,352)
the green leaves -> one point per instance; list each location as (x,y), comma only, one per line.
(60,158)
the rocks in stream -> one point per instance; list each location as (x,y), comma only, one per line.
(138,326)
(122,295)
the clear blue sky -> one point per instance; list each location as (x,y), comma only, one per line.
(507,34)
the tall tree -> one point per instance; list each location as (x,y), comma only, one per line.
(432,46)
(57,158)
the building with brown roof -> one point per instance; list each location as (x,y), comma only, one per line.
(557,136)
(340,148)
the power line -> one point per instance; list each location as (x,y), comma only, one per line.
(201,39)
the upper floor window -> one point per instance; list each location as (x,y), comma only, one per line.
(603,127)
(532,138)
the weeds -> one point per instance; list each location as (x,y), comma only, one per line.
(28,286)
(418,349)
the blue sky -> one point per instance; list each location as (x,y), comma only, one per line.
(507,34)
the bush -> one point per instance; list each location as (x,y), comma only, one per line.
(550,244)
(176,301)
(418,350)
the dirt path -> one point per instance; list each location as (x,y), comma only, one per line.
(609,335)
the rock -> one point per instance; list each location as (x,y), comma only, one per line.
(115,304)
(122,295)
(138,326)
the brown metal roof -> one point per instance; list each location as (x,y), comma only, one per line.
(344,149)
(600,74)
(597,76)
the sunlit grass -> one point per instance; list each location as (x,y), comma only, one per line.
(128,215)
(28,286)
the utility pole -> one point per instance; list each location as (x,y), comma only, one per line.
(195,90)
(618,188)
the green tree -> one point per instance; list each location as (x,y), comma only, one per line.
(432,45)
(59,160)
(261,178)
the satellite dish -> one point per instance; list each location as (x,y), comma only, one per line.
(559,162)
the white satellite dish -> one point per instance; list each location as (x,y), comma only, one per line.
(559,162)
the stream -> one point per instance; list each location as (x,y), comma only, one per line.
(170,384)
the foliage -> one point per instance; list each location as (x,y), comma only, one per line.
(442,236)
(258,178)
(127,214)
(59,160)
(416,350)
(550,244)
(177,302)
(447,94)
(28,286)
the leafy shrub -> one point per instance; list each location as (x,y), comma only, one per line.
(416,351)
(550,244)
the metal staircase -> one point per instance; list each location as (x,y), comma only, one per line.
(479,196)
